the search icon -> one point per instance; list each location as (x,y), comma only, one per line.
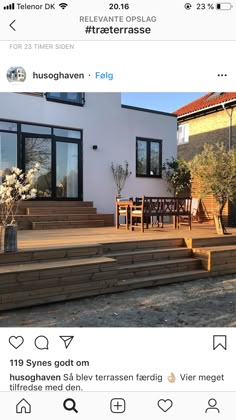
(70,405)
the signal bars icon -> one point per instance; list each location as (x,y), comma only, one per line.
(63,5)
(10,6)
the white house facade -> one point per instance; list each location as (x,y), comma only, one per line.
(75,137)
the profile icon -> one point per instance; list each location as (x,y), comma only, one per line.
(16,74)
(212,403)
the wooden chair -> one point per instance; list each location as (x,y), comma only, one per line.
(123,206)
(184,212)
(137,213)
(145,210)
(195,209)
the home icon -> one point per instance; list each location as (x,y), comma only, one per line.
(23,407)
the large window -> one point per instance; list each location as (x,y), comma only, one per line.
(58,150)
(148,157)
(72,98)
(183,134)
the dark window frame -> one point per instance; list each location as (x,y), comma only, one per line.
(21,158)
(62,100)
(148,150)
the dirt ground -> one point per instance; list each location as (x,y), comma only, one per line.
(200,303)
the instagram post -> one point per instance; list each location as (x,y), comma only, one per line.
(100,197)
(118,210)
(112,227)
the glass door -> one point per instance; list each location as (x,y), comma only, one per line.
(38,149)
(60,159)
(68,169)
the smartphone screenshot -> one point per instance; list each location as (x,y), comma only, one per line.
(117,209)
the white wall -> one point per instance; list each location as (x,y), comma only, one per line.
(105,124)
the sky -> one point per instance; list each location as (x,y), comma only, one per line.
(160,101)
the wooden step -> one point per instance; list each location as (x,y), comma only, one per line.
(150,254)
(208,242)
(158,280)
(42,211)
(21,284)
(218,260)
(55,203)
(25,222)
(61,266)
(51,253)
(157,267)
(108,218)
(143,244)
(66,224)
(57,217)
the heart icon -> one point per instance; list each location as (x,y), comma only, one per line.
(16,342)
(165,405)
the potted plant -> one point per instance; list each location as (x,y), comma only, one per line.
(16,186)
(120,175)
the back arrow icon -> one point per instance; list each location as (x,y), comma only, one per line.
(12,24)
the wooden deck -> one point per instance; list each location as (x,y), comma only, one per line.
(29,239)
(58,265)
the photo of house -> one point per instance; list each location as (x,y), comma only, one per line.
(87,251)
(75,137)
(16,74)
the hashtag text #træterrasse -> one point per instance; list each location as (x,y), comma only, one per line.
(140,30)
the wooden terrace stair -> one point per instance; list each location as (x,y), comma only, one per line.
(54,274)
(35,277)
(61,215)
(153,263)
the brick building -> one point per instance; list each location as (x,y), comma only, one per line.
(209,119)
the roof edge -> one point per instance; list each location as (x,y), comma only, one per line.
(151,111)
(203,110)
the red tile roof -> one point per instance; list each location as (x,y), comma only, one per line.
(211,99)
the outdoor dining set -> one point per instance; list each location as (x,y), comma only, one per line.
(145,211)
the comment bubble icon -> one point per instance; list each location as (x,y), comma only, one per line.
(41,342)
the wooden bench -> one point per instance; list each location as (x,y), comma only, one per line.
(146,208)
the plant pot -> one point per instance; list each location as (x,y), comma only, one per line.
(8,238)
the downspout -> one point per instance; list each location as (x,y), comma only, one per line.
(230,115)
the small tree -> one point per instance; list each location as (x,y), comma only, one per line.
(120,174)
(177,174)
(215,170)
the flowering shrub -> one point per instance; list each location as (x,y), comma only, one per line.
(16,186)
(45,193)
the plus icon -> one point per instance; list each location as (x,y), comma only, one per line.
(117,405)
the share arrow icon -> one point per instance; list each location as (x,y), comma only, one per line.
(67,339)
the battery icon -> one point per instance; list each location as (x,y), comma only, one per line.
(224,6)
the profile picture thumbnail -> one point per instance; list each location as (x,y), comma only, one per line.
(16,74)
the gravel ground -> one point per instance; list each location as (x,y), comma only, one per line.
(200,303)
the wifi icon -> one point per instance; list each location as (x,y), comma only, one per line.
(63,5)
